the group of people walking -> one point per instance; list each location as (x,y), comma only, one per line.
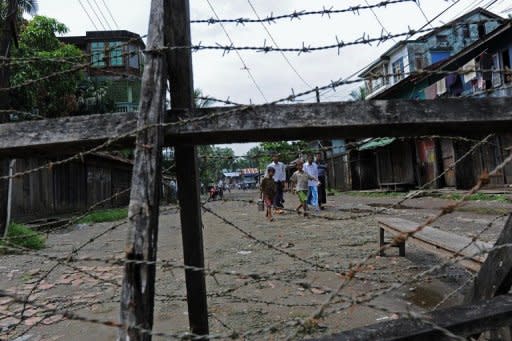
(308,182)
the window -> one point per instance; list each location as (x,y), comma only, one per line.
(98,54)
(442,40)
(116,53)
(466,32)
(398,70)
(507,76)
(496,75)
(419,61)
(481,30)
(133,59)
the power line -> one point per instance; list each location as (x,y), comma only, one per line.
(347,79)
(378,20)
(96,15)
(102,15)
(275,43)
(238,53)
(110,13)
(87,13)
(423,13)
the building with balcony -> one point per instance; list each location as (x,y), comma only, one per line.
(113,77)
(410,56)
(481,69)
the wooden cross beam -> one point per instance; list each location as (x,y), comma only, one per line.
(463,320)
(452,116)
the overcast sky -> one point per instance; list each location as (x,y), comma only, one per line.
(223,76)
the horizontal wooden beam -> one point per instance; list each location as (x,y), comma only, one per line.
(454,117)
(462,320)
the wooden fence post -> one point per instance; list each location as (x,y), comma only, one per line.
(495,275)
(187,170)
(7,36)
(138,290)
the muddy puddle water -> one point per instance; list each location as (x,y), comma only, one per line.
(429,295)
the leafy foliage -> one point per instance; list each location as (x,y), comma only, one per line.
(107,215)
(358,94)
(213,160)
(288,151)
(55,96)
(23,237)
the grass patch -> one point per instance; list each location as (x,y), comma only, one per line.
(102,216)
(21,236)
(376,194)
(484,210)
(479,196)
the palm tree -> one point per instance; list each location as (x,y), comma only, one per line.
(28,6)
(358,94)
(200,100)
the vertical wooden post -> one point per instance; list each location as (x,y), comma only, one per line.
(4,189)
(187,170)
(7,36)
(138,290)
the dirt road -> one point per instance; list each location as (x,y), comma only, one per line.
(291,284)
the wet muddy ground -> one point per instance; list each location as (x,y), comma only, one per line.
(306,261)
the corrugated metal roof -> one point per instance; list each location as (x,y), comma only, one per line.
(231,174)
(377,143)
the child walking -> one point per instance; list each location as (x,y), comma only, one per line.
(300,179)
(268,190)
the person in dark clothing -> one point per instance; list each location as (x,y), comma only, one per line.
(268,190)
(322,177)
(279,179)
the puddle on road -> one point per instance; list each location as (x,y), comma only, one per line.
(425,296)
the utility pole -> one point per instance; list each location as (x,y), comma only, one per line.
(138,290)
(187,171)
(8,35)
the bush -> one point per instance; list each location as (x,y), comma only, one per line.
(19,235)
(102,216)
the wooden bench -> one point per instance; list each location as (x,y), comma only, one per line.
(439,242)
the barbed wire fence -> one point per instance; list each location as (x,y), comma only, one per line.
(30,308)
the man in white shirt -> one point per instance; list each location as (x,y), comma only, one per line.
(311,168)
(279,179)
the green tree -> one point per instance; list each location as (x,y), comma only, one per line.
(358,94)
(47,57)
(212,161)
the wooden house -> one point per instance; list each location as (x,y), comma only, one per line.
(115,65)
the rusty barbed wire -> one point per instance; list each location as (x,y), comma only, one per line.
(404,236)
(297,14)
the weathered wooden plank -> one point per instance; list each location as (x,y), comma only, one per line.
(440,242)
(462,320)
(180,76)
(450,116)
(138,289)
(495,276)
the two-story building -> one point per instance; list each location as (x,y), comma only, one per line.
(481,68)
(113,77)
(466,42)
(410,56)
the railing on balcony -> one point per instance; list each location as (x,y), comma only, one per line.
(127,106)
